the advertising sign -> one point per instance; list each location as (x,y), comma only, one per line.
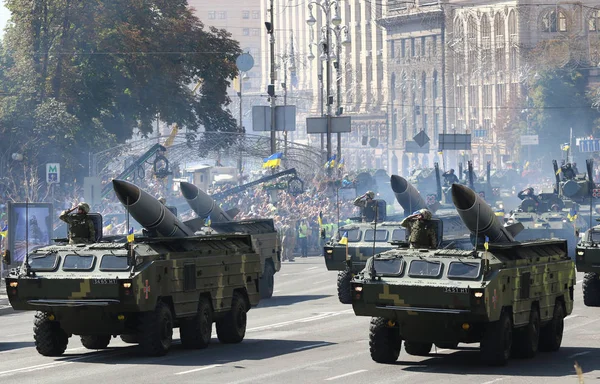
(29,227)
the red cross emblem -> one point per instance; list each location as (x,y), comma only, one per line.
(494,298)
(147,289)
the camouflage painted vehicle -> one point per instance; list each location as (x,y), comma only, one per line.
(587,260)
(510,297)
(140,291)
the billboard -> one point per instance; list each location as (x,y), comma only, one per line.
(29,227)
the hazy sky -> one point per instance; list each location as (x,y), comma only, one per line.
(4,16)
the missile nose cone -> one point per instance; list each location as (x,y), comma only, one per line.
(188,190)
(399,184)
(463,197)
(126,192)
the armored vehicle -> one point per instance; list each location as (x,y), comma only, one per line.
(587,260)
(366,239)
(510,297)
(576,191)
(142,288)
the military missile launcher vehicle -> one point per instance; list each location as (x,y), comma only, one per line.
(143,288)
(366,239)
(576,191)
(587,260)
(510,297)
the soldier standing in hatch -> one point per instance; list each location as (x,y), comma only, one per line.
(422,231)
(450,178)
(81,226)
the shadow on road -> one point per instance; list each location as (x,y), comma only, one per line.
(216,353)
(467,361)
(277,301)
(7,346)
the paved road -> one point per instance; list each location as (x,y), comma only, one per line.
(303,335)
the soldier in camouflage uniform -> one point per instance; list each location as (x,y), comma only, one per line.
(422,231)
(81,227)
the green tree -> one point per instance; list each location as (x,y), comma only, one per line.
(88,74)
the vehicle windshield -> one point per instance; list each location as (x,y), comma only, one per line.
(40,263)
(381,235)
(78,263)
(461,270)
(388,267)
(423,268)
(114,263)
(353,234)
(594,237)
(399,234)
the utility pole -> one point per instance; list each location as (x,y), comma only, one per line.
(271,32)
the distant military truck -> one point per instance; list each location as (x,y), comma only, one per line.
(140,290)
(587,260)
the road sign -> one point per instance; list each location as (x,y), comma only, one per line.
(421,138)
(285,118)
(596,192)
(52,173)
(588,145)
(413,147)
(460,141)
(529,140)
(92,190)
(244,62)
(340,124)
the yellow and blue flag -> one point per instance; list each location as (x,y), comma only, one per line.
(208,221)
(320,219)
(130,235)
(341,163)
(330,162)
(486,245)
(4,232)
(273,161)
(572,216)
(344,239)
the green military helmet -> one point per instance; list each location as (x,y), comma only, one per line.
(84,207)
(426,213)
(370,194)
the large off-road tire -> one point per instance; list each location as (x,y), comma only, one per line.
(417,349)
(50,338)
(497,341)
(196,331)
(344,288)
(231,328)
(130,339)
(384,341)
(552,333)
(95,341)
(156,330)
(527,339)
(267,282)
(591,290)
(446,345)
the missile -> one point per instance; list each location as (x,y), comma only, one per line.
(203,204)
(407,196)
(479,217)
(148,211)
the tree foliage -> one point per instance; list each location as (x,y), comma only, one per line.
(80,76)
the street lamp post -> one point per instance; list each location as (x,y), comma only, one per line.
(310,57)
(332,24)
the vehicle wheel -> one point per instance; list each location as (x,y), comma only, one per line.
(95,341)
(526,341)
(417,349)
(446,345)
(591,290)
(156,330)
(267,282)
(196,331)
(552,333)
(384,341)
(343,287)
(50,338)
(130,339)
(231,328)
(497,341)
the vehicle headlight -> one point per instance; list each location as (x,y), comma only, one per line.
(358,288)
(478,294)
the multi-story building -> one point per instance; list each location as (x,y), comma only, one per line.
(488,54)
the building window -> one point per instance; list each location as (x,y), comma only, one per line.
(222,15)
(594,22)
(412,47)
(403,47)
(435,85)
(434,45)
(246,31)
(554,21)
(254,31)
(245,14)
(392,50)
(423,46)
(211,15)
(255,14)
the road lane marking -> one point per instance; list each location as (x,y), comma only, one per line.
(311,268)
(578,354)
(310,346)
(494,381)
(199,369)
(303,320)
(321,282)
(579,281)
(346,374)
(571,317)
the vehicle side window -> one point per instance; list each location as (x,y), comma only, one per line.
(114,263)
(79,263)
(41,263)
(424,268)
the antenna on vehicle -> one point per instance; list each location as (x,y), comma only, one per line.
(590,169)
(27,267)
(127,229)
(477,227)
(375,229)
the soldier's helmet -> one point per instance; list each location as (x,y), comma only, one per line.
(451,171)
(426,214)
(370,194)
(84,207)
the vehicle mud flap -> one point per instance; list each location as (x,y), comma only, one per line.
(195,332)
(156,330)
(591,290)
(267,282)
(95,341)
(130,339)
(552,333)
(344,288)
(231,329)
(50,338)
(384,341)
(417,349)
